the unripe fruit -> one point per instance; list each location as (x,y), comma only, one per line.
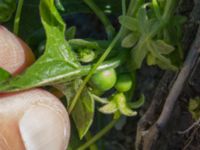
(124,83)
(104,80)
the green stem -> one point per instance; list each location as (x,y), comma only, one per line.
(133,7)
(165,18)
(123,7)
(99,135)
(99,99)
(110,30)
(168,10)
(88,137)
(92,71)
(18,16)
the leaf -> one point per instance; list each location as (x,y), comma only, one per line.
(161,61)
(137,104)
(142,19)
(130,40)
(58,57)
(83,113)
(193,104)
(123,107)
(163,47)
(74,139)
(129,23)
(80,43)
(151,60)
(70,33)
(4,75)
(156,8)
(59,5)
(7,8)
(194,107)
(152,26)
(109,108)
(69,89)
(138,54)
(23,81)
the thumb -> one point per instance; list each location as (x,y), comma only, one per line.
(33,119)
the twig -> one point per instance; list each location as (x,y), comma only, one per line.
(154,109)
(196,123)
(173,95)
(190,139)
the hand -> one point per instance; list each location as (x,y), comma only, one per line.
(33,119)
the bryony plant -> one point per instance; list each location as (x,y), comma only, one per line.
(149,31)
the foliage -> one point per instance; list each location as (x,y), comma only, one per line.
(149,31)
(194,107)
(7,8)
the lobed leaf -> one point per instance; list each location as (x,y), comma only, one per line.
(130,40)
(129,23)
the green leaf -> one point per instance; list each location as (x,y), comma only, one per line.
(83,113)
(4,75)
(123,107)
(58,57)
(137,104)
(193,104)
(161,61)
(194,107)
(81,43)
(138,54)
(163,47)
(156,8)
(130,40)
(151,60)
(109,108)
(69,89)
(23,81)
(70,33)
(129,23)
(74,139)
(59,5)
(142,19)
(7,8)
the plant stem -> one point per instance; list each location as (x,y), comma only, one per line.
(110,30)
(99,99)
(123,7)
(92,71)
(88,137)
(133,7)
(165,18)
(99,135)
(168,10)
(18,16)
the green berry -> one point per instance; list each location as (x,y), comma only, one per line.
(104,80)
(124,83)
